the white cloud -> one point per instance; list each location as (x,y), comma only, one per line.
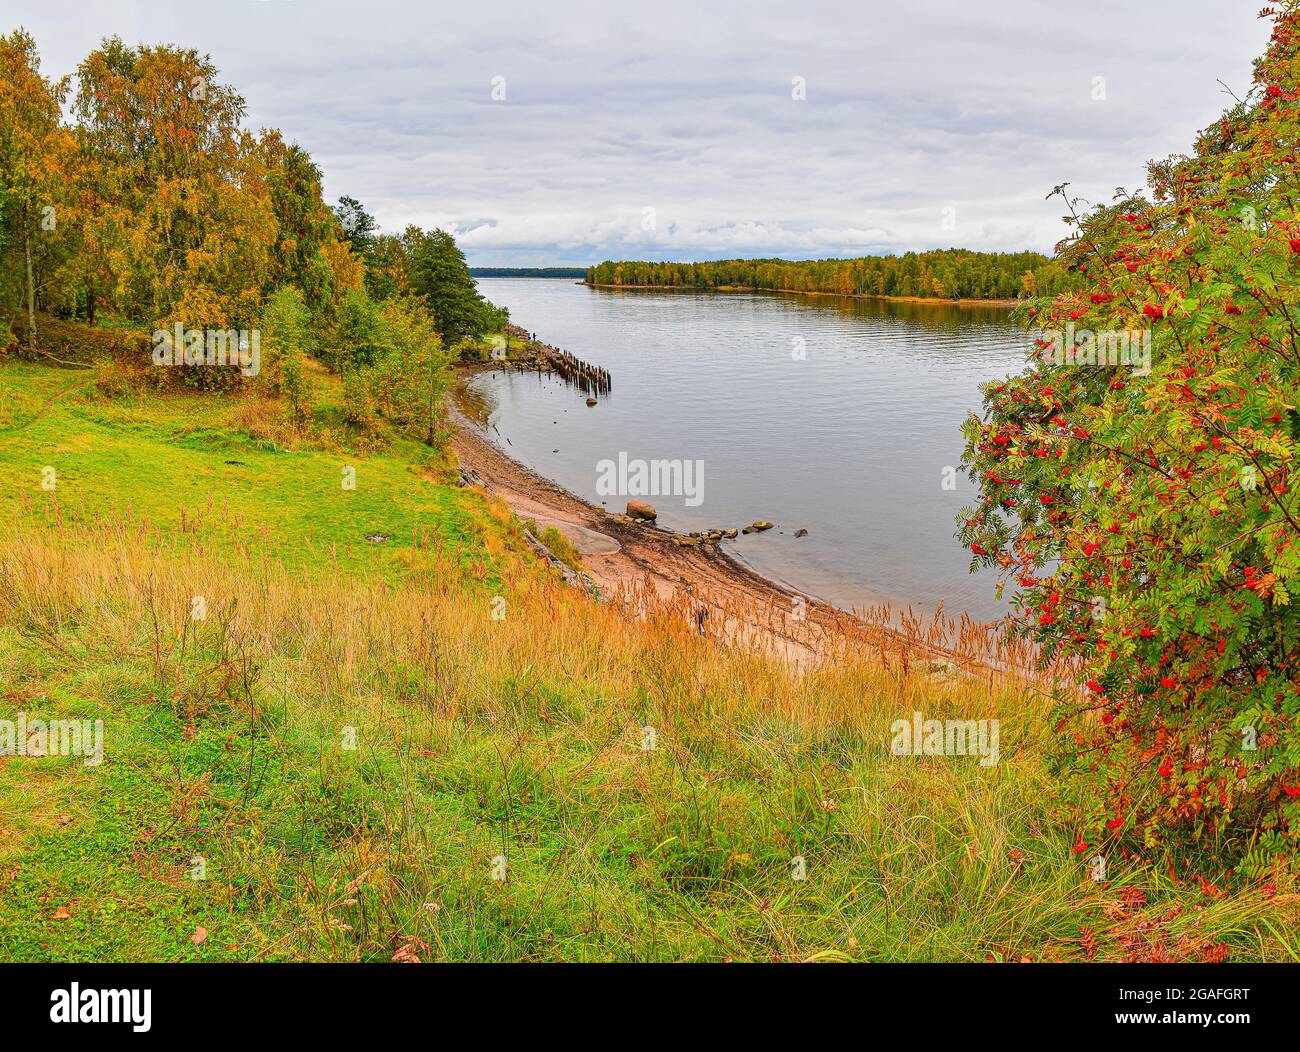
(686,108)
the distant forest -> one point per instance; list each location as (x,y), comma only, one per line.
(951,273)
(528,272)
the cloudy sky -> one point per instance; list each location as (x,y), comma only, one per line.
(566,133)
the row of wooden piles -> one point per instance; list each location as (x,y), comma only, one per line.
(591,380)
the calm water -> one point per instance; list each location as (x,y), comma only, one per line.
(849,443)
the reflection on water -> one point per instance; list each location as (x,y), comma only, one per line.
(838,416)
(478,402)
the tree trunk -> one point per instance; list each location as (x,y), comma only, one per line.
(31,284)
(428,441)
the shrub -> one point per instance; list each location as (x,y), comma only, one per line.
(355,343)
(285,335)
(1150,522)
(409,376)
(358,402)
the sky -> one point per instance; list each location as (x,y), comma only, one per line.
(556,133)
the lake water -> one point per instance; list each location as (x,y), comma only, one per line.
(837,416)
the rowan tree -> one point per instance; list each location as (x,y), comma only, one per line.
(1150,523)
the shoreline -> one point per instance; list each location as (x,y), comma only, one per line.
(943,300)
(652,566)
(668,557)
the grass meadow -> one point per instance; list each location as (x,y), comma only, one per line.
(358,737)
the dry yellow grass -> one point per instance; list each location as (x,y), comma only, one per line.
(477,737)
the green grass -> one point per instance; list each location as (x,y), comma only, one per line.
(177,457)
(228,738)
(167,459)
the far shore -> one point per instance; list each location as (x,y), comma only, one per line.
(945,300)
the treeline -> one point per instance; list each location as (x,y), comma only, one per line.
(149,206)
(952,273)
(528,272)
